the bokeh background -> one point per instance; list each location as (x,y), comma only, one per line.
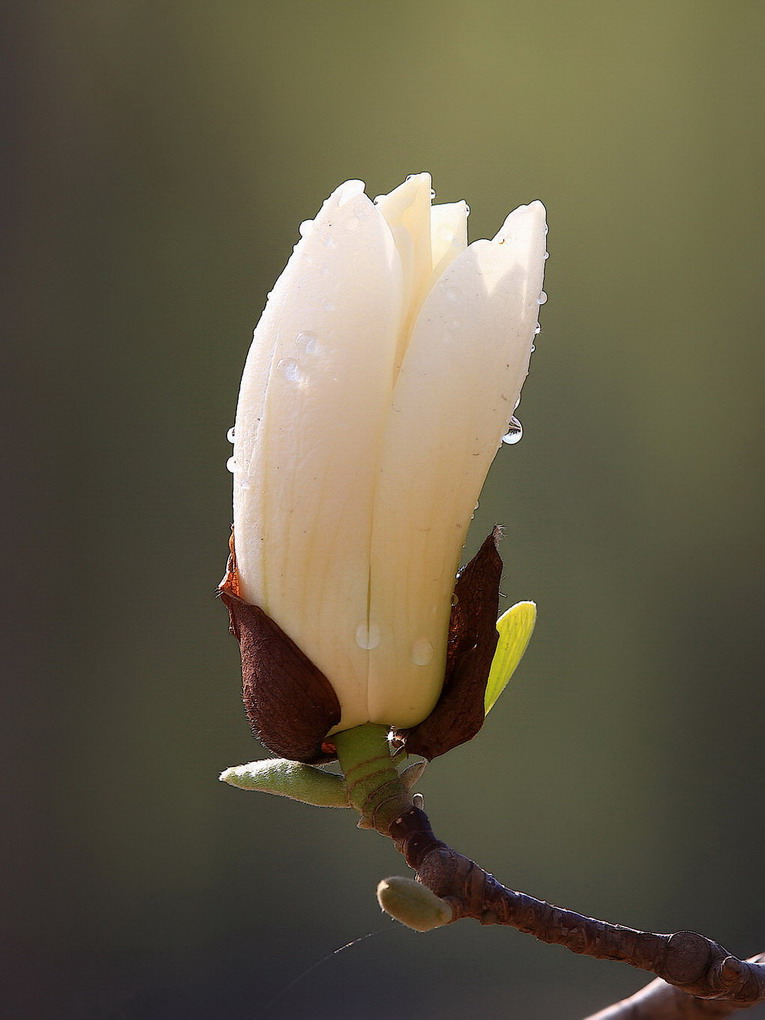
(161,157)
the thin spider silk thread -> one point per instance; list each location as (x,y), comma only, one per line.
(309,970)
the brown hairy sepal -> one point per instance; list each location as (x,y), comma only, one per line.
(290,703)
(459,712)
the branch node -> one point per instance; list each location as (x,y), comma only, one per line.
(686,958)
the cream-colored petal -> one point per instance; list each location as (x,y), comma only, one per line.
(448,234)
(314,396)
(454,396)
(407,212)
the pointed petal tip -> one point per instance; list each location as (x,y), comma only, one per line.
(533,209)
(526,225)
(418,180)
(347,191)
(347,203)
(341,195)
(526,216)
(538,213)
(407,192)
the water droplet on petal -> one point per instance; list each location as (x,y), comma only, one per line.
(290,370)
(547,255)
(542,298)
(422,652)
(330,241)
(537,329)
(244,485)
(230,434)
(309,340)
(328,306)
(368,636)
(514,432)
(231,465)
(456,598)
(305,228)
(432,195)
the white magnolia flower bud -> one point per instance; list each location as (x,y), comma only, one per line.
(381,378)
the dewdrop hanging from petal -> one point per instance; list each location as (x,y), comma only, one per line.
(381,380)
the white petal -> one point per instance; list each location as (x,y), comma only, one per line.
(448,234)
(407,212)
(454,396)
(315,392)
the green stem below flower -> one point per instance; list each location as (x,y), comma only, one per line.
(374,786)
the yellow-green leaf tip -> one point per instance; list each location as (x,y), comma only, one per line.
(515,628)
(413,904)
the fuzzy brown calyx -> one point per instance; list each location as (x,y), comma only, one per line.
(290,703)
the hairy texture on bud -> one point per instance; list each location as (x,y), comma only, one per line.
(413,904)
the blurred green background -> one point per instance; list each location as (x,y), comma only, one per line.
(162,155)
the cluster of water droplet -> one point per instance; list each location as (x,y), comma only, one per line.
(231,464)
(308,342)
(295,370)
(368,637)
(290,369)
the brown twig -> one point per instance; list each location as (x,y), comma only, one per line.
(697,966)
(660,1001)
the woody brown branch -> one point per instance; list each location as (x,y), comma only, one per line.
(696,965)
(660,1001)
